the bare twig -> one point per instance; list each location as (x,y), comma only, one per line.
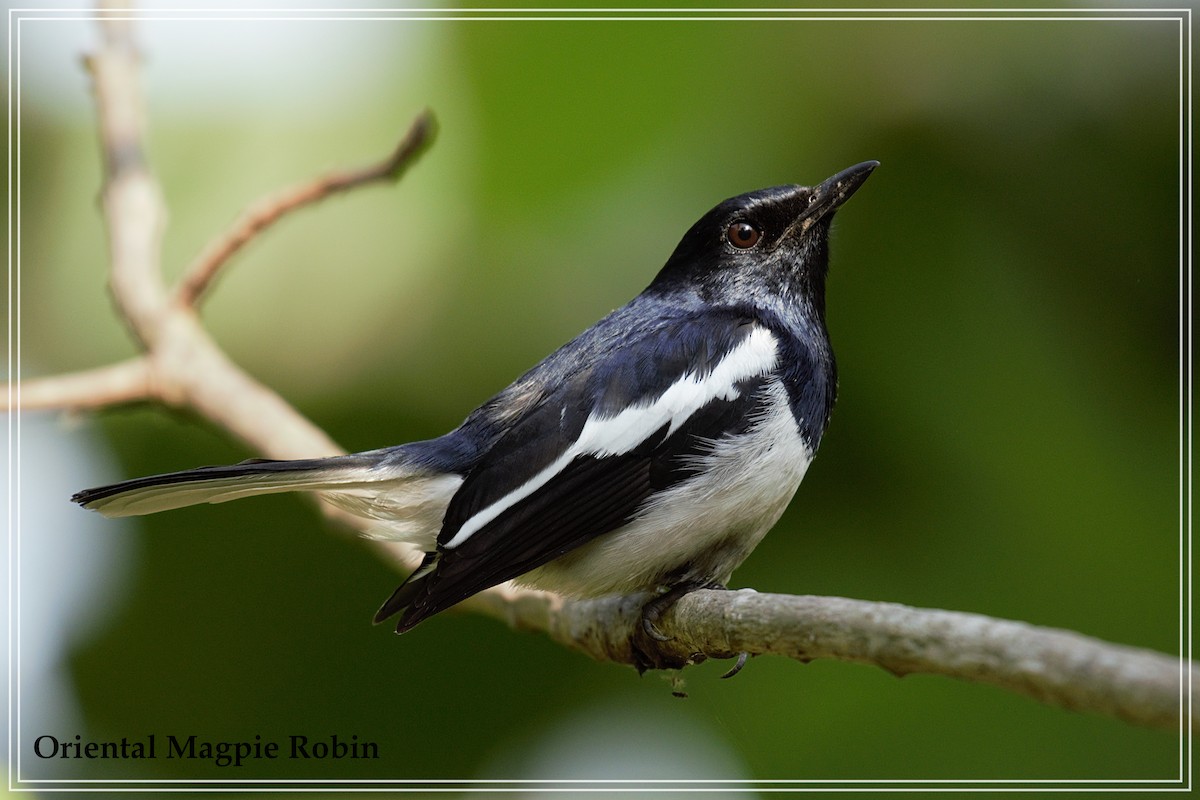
(267,211)
(184,367)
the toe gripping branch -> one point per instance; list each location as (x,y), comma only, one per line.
(647,640)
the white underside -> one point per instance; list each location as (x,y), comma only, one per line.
(708,524)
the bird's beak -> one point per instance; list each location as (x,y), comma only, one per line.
(827,197)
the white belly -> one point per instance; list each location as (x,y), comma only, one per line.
(702,528)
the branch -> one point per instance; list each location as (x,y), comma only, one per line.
(1058,667)
(182,366)
(269,210)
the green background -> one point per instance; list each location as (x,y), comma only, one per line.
(1004,303)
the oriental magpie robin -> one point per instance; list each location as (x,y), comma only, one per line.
(652,452)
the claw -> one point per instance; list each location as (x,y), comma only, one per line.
(736,668)
(652,631)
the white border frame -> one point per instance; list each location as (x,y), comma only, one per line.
(13,426)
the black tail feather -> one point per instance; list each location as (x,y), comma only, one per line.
(406,594)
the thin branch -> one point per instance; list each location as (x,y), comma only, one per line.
(123,382)
(262,214)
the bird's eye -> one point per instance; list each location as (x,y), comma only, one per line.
(743,235)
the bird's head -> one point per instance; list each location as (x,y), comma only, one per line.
(762,246)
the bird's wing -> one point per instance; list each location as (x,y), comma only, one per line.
(583,462)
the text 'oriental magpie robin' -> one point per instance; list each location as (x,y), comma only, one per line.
(652,452)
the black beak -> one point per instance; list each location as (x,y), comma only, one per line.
(827,197)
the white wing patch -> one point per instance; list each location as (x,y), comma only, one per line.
(615,435)
(489,513)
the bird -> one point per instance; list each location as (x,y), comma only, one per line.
(649,454)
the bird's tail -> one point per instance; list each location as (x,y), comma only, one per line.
(359,471)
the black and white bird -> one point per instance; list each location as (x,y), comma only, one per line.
(651,453)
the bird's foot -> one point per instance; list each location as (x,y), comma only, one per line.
(652,612)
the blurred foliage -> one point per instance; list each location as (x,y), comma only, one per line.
(1003,301)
